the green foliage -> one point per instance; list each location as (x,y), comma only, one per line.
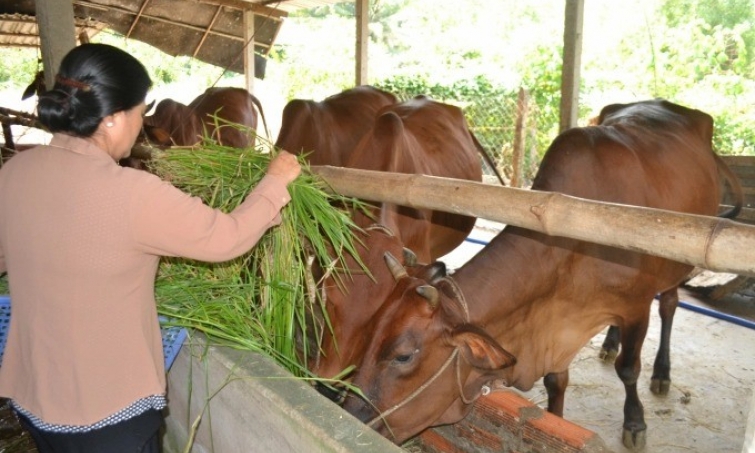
(733,21)
(19,67)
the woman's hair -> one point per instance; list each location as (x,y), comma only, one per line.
(94,81)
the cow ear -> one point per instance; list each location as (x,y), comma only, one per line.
(435,271)
(430,273)
(480,349)
(388,126)
(159,136)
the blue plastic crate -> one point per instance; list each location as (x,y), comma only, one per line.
(173,336)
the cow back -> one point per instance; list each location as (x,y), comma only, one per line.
(229,104)
(421,136)
(642,154)
(172,123)
(327,131)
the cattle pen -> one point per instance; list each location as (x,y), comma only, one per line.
(705,411)
(225,399)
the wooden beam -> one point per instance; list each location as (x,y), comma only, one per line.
(207,31)
(136,18)
(712,243)
(571,65)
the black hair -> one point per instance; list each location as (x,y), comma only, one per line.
(94,81)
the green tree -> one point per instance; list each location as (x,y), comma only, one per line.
(732,20)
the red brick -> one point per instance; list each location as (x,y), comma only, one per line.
(434,442)
(502,408)
(561,431)
(479,437)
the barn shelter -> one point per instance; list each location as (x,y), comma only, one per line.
(214,31)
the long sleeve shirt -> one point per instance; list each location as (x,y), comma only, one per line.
(81,239)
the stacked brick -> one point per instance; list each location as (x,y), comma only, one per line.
(506,422)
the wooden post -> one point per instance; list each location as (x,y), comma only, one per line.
(57,34)
(572,61)
(249,49)
(522,107)
(362,41)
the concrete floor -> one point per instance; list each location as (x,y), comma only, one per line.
(713,376)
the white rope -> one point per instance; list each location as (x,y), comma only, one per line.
(419,390)
(454,355)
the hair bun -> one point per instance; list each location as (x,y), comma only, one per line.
(54,108)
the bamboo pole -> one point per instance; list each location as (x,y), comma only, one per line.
(708,242)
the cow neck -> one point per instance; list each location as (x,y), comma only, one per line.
(506,285)
(485,387)
(505,274)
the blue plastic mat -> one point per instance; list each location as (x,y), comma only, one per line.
(173,337)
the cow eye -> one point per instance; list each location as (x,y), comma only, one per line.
(403,359)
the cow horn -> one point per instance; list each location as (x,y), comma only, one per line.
(430,293)
(410,258)
(396,268)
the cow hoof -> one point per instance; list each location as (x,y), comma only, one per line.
(608,355)
(660,386)
(634,440)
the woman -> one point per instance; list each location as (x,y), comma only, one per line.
(80,239)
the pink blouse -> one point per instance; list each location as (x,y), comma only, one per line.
(81,239)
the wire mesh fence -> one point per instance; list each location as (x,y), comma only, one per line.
(506,125)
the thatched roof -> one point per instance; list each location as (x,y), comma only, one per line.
(209,30)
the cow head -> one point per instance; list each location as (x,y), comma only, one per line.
(425,362)
(352,296)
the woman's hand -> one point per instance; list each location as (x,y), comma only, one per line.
(284,165)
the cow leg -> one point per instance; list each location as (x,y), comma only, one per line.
(610,348)
(661,380)
(555,385)
(628,367)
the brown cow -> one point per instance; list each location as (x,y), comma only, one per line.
(327,131)
(417,136)
(420,136)
(436,345)
(174,123)
(348,295)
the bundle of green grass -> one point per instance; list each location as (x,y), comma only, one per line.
(259,301)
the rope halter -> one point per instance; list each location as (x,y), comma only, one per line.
(485,390)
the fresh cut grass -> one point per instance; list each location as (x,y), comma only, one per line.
(261,300)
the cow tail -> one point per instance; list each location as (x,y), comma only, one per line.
(736,188)
(258,104)
(487,158)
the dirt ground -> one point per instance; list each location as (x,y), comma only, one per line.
(713,375)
